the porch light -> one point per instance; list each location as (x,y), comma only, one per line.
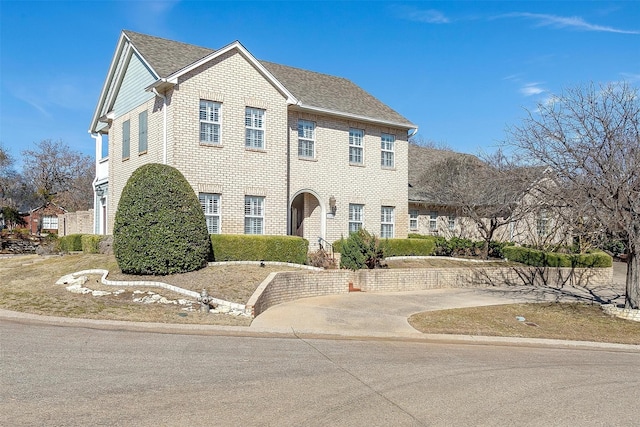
(332,204)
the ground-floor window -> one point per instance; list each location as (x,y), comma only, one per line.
(211,207)
(49,222)
(356,217)
(386,222)
(413,219)
(452,222)
(433,221)
(253,215)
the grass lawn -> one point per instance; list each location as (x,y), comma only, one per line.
(27,284)
(567,321)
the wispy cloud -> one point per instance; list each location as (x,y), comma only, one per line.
(573,22)
(531,89)
(428,16)
(631,78)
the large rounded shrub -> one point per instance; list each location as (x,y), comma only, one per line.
(159,225)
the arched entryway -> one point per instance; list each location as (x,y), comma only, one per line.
(307,217)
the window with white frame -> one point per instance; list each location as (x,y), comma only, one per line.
(433,221)
(210,122)
(253,215)
(254,128)
(142,132)
(211,207)
(356,217)
(452,222)
(306,138)
(413,219)
(387,143)
(386,222)
(356,137)
(126,139)
(542,223)
(49,222)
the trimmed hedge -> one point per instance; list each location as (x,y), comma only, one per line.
(408,247)
(413,246)
(538,258)
(159,226)
(70,243)
(242,247)
(91,243)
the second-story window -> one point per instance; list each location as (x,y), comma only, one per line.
(306,139)
(126,139)
(356,137)
(387,143)
(142,132)
(254,128)
(210,122)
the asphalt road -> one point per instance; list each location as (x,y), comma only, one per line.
(75,376)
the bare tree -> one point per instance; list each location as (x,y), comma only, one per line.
(60,174)
(486,192)
(590,137)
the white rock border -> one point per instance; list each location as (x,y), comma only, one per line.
(623,313)
(79,278)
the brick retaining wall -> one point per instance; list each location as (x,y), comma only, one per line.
(287,286)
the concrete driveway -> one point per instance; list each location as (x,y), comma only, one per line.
(385,314)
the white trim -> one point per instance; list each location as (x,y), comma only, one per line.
(323,211)
(357,117)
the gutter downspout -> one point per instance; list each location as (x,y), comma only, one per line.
(289,225)
(164,125)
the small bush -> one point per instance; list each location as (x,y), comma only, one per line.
(241,247)
(361,249)
(91,243)
(321,259)
(538,258)
(496,249)
(71,243)
(159,224)
(408,247)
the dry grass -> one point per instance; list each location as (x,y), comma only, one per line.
(27,284)
(568,321)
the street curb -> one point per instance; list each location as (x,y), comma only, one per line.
(247,331)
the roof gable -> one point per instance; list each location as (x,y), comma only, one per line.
(167,60)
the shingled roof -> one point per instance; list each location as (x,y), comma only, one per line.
(422,159)
(313,90)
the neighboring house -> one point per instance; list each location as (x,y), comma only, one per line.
(44,219)
(268,149)
(536,221)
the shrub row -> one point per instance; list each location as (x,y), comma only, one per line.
(408,247)
(414,246)
(70,243)
(240,247)
(87,243)
(538,258)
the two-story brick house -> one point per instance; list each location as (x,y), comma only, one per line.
(269,149)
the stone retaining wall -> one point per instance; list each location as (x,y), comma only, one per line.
(282,287)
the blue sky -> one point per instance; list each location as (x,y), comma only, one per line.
(460,70)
